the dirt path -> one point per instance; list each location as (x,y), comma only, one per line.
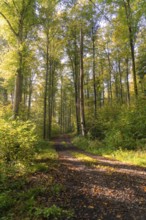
(105,189)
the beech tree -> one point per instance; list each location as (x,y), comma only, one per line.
(19,17)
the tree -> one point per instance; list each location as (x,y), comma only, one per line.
(19,17)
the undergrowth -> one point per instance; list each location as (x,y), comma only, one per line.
(136,157)
(28,195)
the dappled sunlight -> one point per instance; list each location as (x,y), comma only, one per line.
(101,186)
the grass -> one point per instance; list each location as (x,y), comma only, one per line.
(64,143)
(54,213)
(25,195)
(45,154)
(135,157)
(84,158)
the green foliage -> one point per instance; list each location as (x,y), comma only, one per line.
(81,142)
(55,129)
(129,131)
(136,157)
(44,153)
(22,195)
(17,139)
(6,202)
(45,150)
(56,189)
(93,146)
(97,130)
(53,212)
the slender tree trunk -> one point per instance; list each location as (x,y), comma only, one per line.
(88,90)
(110,94)
(25,92)
(116,86)
(133,66)
(102,72)
(94,77)
(77,87)
(82,113)
(18,89)
(5,96)
(77,108)
(120,79)
(29,98)
(61,106)
(46,87)
(127,81)
(75,69)
(131,41)
(19,76)
(50,97)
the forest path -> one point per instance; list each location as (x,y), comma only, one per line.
(97,188)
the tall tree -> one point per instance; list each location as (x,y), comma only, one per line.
(19,17)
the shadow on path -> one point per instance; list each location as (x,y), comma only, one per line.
(105,189)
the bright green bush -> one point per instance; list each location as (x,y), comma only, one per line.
(129,131)
(17,139)
(81,142)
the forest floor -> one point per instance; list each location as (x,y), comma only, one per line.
(98,188)
(70,184)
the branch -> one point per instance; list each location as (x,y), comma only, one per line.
(10,26)
(100,11)
(15,6)
(27,6)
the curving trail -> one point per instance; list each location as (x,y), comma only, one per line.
(101,189)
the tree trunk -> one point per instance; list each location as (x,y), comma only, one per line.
(131,41)
(46,86)
(50,97)
(18,89)
(102,73)
(82,113)
(5,96)
(110,94)
(94,77)
(75,70)
(29,98)
(19,76)
(77,90)
(133,66)
(127,81)
(120,79)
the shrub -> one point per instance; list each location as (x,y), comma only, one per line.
(130,128)
(97,130)
(17,140)
(81,142)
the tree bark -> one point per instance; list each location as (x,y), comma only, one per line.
(29,98)
(127,81)
(18,89)
(120,79)
(131,41)
(46,87)
(110,94)
(82,113)
(75,69)
(94,77)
